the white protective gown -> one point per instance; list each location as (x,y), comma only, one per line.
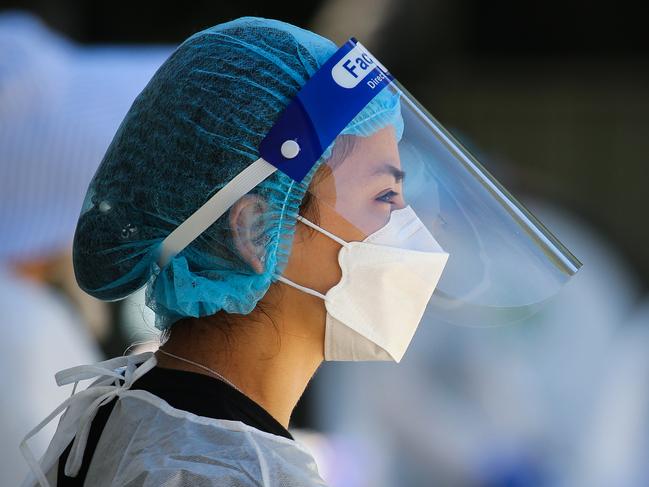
(146,442)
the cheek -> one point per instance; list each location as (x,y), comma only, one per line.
(359,207)
(364,214)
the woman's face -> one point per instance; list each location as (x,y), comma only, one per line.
(354,198)
(362,189)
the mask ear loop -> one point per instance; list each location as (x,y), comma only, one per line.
(304,289)
(323,231)
(333,237)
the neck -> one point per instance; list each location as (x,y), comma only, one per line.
(269,359)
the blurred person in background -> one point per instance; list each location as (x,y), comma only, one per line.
(59,106)
(256,188)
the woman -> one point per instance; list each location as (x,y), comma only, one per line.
(238,351)
(304,250)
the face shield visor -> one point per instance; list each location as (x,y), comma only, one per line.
(378,154)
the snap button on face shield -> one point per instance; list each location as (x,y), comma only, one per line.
(290,149)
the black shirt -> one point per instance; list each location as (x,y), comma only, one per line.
(196,393)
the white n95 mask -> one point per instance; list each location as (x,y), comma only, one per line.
(387,280)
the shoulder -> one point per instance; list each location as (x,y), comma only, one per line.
(192,475)
(210,475)
(148,443)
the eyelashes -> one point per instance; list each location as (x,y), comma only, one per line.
(387,197)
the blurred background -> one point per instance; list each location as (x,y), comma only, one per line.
(552,97)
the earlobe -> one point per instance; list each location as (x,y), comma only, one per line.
(247,224)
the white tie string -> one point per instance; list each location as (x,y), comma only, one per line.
(101,392)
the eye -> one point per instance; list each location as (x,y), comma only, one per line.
(387,196)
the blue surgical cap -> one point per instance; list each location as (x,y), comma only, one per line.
(196,125)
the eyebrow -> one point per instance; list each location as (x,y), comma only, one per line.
(387,168)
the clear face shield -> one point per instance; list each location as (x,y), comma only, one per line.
(503,263)
(388,174)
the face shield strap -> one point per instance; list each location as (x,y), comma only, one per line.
(219,203)
(325,105)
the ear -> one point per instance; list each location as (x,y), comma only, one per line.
(247,225)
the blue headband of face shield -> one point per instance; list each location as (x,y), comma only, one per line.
(353,82)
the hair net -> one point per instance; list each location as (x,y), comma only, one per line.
(195,126)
